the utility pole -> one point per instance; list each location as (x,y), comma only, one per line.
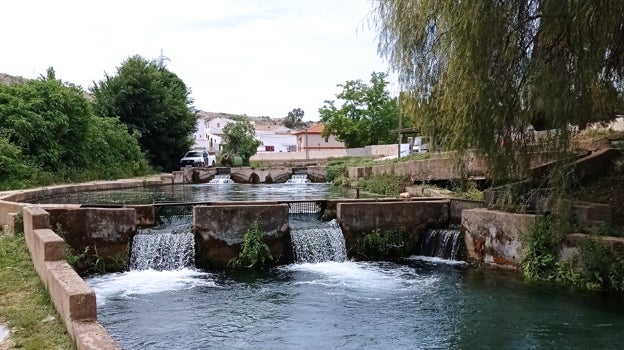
(399,132)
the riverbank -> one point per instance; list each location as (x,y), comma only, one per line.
(30,319)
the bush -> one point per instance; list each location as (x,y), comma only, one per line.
(254,252)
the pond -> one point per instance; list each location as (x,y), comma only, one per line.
(206,193)
(416,304)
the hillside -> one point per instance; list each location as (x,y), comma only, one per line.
(11,79)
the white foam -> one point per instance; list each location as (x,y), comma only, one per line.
(436,260)
(363,275)
(139,282)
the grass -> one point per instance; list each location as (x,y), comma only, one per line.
(25,305)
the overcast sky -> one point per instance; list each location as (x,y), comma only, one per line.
(254,57)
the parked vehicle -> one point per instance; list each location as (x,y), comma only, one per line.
(198,158)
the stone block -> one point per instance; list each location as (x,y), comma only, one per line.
(494,237)
(92,335)
(72,296)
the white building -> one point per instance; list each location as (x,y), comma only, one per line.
(214,131)
(275,138)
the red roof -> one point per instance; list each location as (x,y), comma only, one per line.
(314,129)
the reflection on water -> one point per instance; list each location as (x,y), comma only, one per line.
(352,305)
(207,193)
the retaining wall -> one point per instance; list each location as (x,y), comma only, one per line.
(493,237)
(219,231)
(359,218)
(73,298)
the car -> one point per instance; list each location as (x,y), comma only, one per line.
(196,159)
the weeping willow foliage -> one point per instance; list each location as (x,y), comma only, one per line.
(480,74)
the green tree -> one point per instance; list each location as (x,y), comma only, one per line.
(239,139)
(294,119)
(46,119)
(481,72)
(49,133)
(154,103)
(368,114)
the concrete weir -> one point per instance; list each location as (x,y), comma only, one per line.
(218,227)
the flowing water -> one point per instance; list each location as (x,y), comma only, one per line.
(168,247)
(440,243)
(315,241)
(352,305)
(221,179)
(298,179)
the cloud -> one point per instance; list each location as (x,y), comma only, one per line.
(254,57)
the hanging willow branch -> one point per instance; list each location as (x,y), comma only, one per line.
(480,75)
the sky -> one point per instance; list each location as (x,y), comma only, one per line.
(252,57)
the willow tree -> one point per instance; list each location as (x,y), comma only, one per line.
(480,74)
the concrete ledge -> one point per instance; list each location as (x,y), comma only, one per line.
(72,297)
(92,336)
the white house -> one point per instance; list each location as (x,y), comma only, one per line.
(201,135)
(275,138)
(214,132)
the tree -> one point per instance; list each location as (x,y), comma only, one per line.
(155,104)
(367,116)
(294,119)
(481,72)
(49,132)
(239,139)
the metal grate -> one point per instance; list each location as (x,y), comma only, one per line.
(168,213)
(305,207)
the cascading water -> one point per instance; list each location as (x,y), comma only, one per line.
(170,246)
(298,179)
(440,243)
(316,241)
(221,179)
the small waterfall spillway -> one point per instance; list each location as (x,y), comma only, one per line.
(441,243)
(298,179)
(169,246)
(316,241)
(221,179)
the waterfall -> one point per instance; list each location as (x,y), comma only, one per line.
(170,246)
(316,241)
(298,179)
(221,179)
(440,243)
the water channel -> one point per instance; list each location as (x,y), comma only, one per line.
(417,303)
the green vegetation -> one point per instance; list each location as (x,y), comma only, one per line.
(154,104)
(25,306)
(379,245)
(476,75)
(87,261)
(50,134)
(254,252)
(390,185)
(368,114)
(594,267)
(239,140)
(294,119)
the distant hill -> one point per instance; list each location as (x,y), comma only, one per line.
(11,79)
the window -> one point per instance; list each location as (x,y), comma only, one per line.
(326,138)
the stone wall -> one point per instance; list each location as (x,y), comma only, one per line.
(493,237)
(219,231)
(359,218)
(106,233)
(73,299)
(440,166)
